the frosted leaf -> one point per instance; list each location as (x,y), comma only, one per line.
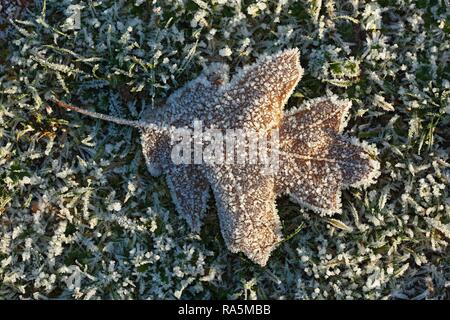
(315,160)
(256,95)
(247,212)
(190,192)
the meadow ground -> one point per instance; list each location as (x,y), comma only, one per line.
(81,217)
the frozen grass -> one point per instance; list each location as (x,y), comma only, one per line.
(80,216)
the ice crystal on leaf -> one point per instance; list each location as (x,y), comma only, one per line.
(316,161)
